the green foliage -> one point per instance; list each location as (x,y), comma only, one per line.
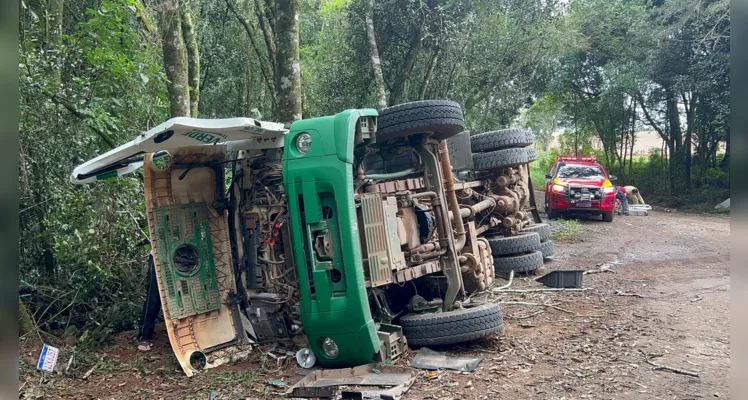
(82,246)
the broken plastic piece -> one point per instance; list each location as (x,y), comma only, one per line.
(433,360)
(393,383)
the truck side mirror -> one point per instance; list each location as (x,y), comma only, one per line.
(548,176)
(612,178)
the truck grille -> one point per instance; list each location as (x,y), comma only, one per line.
(585,193)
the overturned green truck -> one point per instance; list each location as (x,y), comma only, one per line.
(354,235)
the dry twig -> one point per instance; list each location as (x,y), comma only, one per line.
(662,367)
(540,290)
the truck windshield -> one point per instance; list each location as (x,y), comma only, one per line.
(580,171)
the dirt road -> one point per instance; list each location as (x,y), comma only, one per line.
(665,303)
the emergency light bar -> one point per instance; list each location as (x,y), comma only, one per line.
(572,158)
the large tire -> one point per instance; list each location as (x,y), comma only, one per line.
(552,214)
(543,230)
(524,263)
(452,327)
(547,249)
(443,117)
(608,216)
(503,139)
(503,158)
(506,245)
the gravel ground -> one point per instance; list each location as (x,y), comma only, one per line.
(665,302)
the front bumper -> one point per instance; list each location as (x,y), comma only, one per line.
(560,202)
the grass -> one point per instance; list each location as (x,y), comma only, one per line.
(538,177)
(565,228)
(233,378)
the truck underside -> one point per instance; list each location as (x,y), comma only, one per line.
(351,239)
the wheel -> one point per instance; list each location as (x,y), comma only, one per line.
(522,243)
(503,139)
(608,216)
(547,249)
(543,230)
(503,158)
(443,117)
(452,327)
(552,214)
(519,264)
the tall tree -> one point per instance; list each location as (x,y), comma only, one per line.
(376,63)
(175,58)
(193,58)
(288,71)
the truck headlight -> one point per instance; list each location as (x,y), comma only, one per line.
(303,143)
(557,188)
(609,189)
(330,347)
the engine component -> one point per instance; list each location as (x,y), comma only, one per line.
(418,304)
(426,222)
(394,344)
(460,155)
(253,271)
(407,228)
(381,244)
(265,316)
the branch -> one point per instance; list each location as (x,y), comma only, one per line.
(661,367)
(103,135)
(248,29)
(267,33)
(649,118)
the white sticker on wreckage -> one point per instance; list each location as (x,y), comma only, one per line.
(216,138)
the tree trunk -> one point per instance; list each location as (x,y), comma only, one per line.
(398,88)
(25,322)
(288,76)
(429,73)
(268,76)
(690,113)
(267,33)
(193,59)
(375,61)
(175,58)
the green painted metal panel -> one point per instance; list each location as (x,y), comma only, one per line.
(319,186)
(186,254)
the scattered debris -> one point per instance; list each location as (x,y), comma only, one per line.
(359,381)
(305,358)
(698,298)
(228,355)
(433,360)
(48,358)
(622,293)
(144,348)
(70,362)
(723,205)
(88,373)
(278,383)
(562,279)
